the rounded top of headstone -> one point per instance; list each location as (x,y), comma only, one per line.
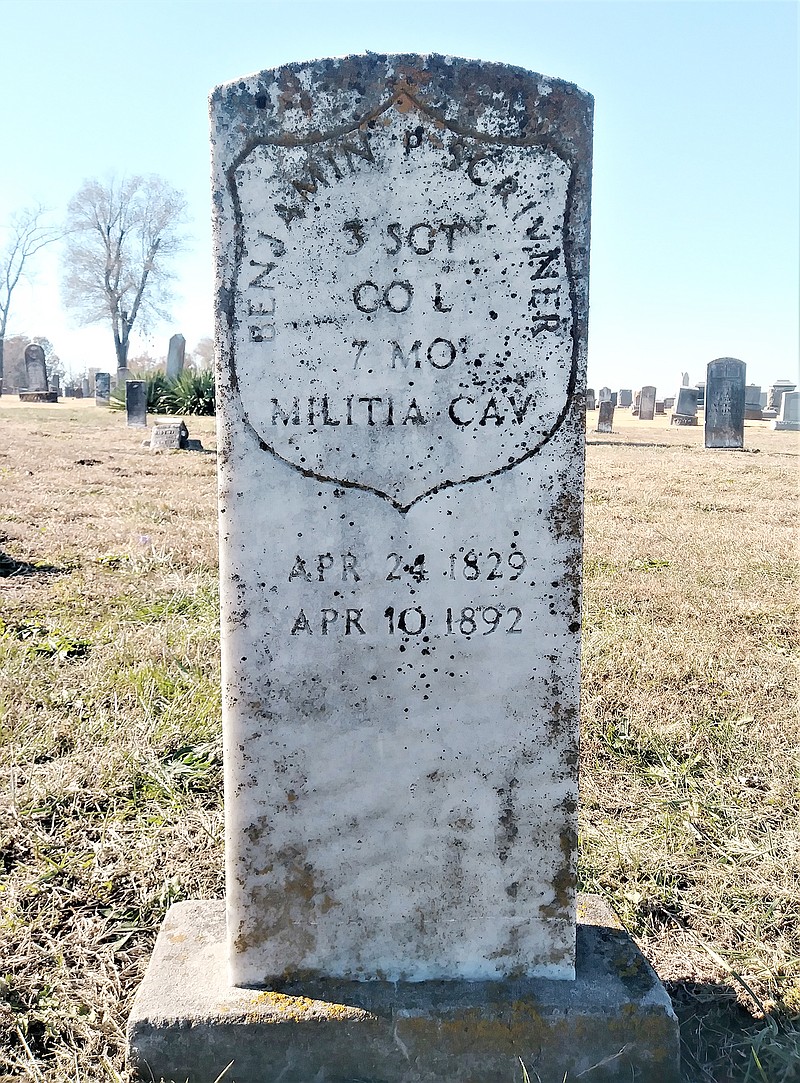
(298,101)
(34,352)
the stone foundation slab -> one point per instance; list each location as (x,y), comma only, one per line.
(613,1023)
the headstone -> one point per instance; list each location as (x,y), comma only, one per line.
(136,403)
(701,393)
(684,411)
(669,401)
(625,398)
(591,403)
(85,387)
(402,418)
(647,403)
(175,355)
(604,394)
(123,375)
(54,384)
(684,379)
(763,399)
(776,393)
(614,398)
(102,388)
(168,435)
(724,421)
(35,368)
(660,407)
(605,417)
(637,398)
(752,403)
(790,412)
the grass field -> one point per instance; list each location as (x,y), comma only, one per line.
(110,748)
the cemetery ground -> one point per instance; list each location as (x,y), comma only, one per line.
(111,748)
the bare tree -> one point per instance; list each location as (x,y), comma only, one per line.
(120,239)
(27,234)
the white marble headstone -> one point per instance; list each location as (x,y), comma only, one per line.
(402,256)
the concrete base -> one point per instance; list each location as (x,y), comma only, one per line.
(683,419)
(786,426)
(613,1024)
(38,396)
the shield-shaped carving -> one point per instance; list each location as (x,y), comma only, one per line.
(403,302)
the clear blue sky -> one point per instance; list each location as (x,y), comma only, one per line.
(695,203)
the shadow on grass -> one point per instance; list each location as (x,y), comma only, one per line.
(722,1042)
(11,568)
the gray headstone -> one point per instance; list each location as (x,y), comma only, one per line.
(776,393)
(591,403)
(54,384)
(397,520)
(763,399)
(625,398)
(752,395)
(614,398)
(123,375)
(168,435)
(790,412)
(35,368)
(685,379)
(647,403)
(175,356)
(686,401)
(136,403)
(604,394)
(102,388)
(724,405)
(605,417)
(85,388)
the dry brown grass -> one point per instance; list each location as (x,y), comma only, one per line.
(110,744)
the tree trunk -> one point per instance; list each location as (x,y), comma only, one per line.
(2,352)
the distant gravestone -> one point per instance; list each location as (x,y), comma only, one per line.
(660,407)
(614,398)
(669,401)
(102,388)
(684,411)
(637,398)
(789,419)
(86,390)
(169,435)
(776,393)
(752,403)
(605,417)
(122,377)
(724,405)
(701,393)
(591,403)
(604,395)
(684,379)
(136,403)
(400,513)
(647,403)
(35,368)
(54,384)
(625,398)
(175,356)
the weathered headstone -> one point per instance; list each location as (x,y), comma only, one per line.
(776,393)
(102,388)
(604,395)
(122,377)
(54,384)
(637,398)
(605,417)
(175,356)
(701,393)
(625,397)
(790,412)
(35,368)
(684,379)
(669,401)
(401,422)
(136,403)
(614,398)
(724,406)
(168,435)
(684,411)
(752,403)
(591,403)
(85,388)
(647,403)
(660,407)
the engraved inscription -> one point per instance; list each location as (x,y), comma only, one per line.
(443,314)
